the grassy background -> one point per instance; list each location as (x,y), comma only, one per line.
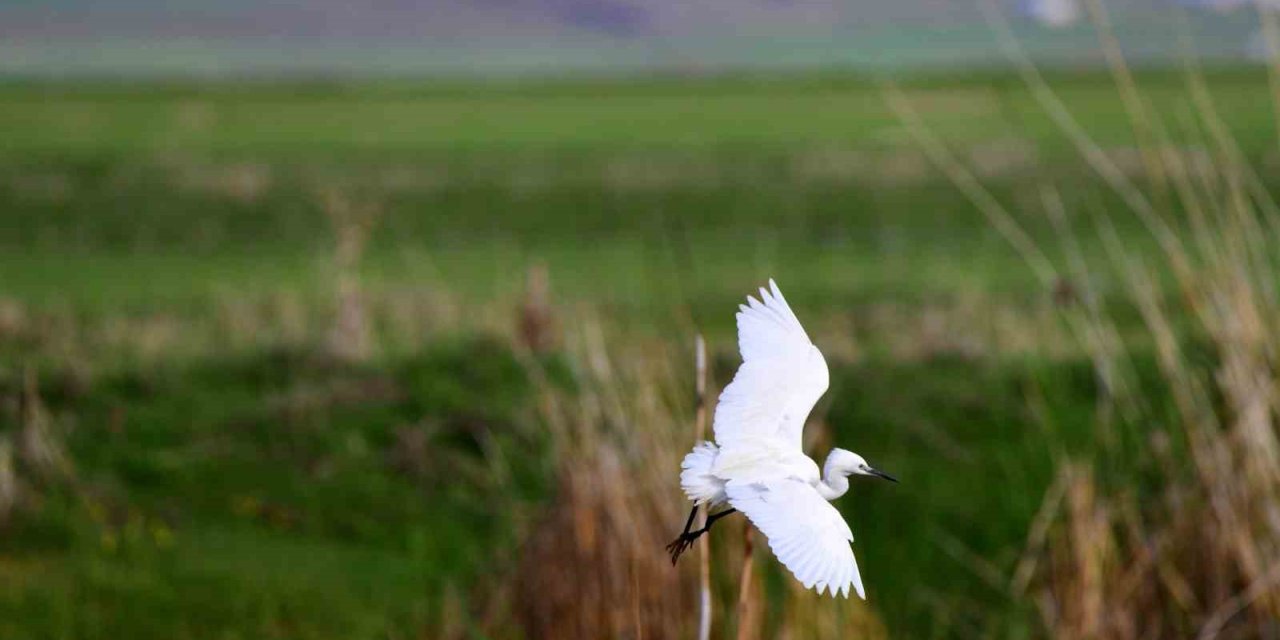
(232,481)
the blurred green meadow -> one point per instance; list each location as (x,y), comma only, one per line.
(227,454)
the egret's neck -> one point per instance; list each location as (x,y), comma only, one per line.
(834,484)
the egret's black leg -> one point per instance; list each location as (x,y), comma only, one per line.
(686,539)
(678,542)
(688,524)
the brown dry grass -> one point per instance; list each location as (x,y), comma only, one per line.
(1186,542)
(33,457)
(593,564)
(1200,557)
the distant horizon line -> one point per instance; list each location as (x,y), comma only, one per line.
(591,55)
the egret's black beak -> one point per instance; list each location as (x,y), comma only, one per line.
(880,474)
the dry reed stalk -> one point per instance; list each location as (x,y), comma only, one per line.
(14,318)
(1093,154)
(1140,119)
(536,329)
(9,488)
(1089,322)
(700,434)
(351,338)
(1271,32)
(452,615)
(996,214)
(748,609)
(32,455)
(38,448)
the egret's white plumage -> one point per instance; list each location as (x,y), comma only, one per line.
(757,464)
(781,377)
(805,532)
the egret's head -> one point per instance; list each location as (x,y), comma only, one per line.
(849,463)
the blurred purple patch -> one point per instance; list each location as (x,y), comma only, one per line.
(613,18)
(1220,6)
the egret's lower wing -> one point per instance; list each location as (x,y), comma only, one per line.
(806,533)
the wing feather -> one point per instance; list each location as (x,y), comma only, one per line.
(806,533)
(781,377)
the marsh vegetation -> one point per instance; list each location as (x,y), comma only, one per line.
(320,361)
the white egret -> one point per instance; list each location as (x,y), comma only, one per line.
(757,464)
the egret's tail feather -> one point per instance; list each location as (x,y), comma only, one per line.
(696,478)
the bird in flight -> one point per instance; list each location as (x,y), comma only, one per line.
(757,464)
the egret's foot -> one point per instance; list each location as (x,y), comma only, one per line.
(681,544)
(687,538)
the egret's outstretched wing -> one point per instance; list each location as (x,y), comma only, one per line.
(781,377)
(805,531)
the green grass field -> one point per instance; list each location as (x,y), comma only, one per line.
(167,273)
